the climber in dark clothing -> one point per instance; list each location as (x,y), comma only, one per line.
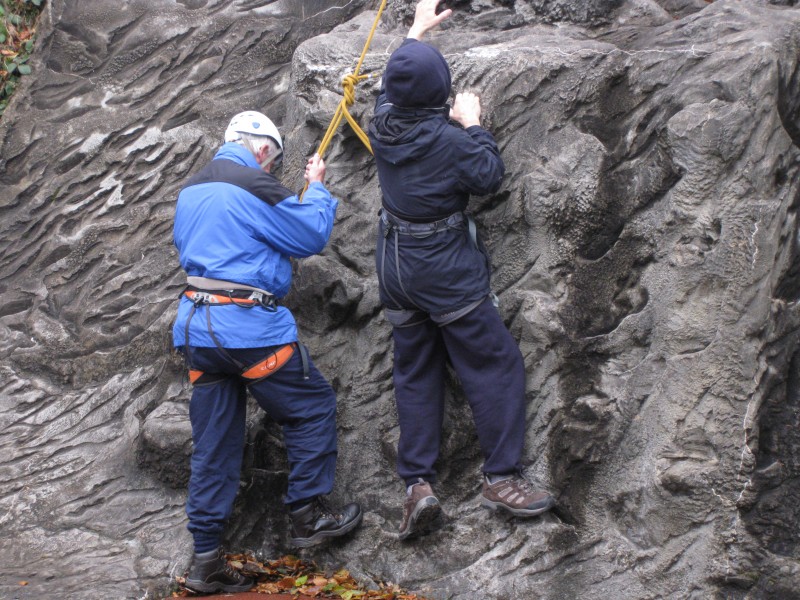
(434,280)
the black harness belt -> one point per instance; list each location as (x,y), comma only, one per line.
(245,298)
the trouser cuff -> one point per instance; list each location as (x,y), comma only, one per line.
(205,543)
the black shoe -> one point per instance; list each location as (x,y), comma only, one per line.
(315,522)
(210,573)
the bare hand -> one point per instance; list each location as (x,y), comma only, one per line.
(466,109)
(315,169)
(425,18)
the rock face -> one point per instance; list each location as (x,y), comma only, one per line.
(644,245)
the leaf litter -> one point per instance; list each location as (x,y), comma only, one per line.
(300,577)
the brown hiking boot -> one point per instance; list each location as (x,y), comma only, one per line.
(422,513)
(517,496)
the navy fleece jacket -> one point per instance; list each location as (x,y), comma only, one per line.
(427,167)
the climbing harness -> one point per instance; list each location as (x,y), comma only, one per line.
(392,224)
(349,83)
(244,297)
(398,226)
(237,297)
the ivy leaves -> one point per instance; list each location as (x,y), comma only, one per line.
(17,35)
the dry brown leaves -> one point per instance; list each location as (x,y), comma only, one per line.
(296,576)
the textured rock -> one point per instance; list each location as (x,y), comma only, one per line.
(165,444)
(644,245)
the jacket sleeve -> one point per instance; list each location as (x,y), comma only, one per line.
(480,167)
(301,229)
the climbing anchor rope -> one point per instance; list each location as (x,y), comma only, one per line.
(349,87)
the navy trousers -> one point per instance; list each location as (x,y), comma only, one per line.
(305,409)
(488,362)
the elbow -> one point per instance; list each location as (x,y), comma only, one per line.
(313,244)
(494,179)
(318,245)
(497,182)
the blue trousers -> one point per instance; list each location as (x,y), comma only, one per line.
(488,362)
(305,409)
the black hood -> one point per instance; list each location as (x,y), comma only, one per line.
(417,76)
(400,136)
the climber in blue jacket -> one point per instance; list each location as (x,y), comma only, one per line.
(434,280)
(236,228)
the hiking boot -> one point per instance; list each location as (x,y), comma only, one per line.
(517,496)
(422,513)
(316,522)
(210,573)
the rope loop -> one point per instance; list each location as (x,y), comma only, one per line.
(349,83)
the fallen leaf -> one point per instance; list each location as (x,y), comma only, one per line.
(291,561)
(254,568)
(341,575)
(312,591)
(269,588)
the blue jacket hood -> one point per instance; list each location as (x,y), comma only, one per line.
(238,154)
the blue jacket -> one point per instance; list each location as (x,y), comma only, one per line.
(236,223)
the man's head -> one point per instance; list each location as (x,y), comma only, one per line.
(417,76)
(258,134)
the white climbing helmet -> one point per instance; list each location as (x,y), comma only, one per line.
(253,123)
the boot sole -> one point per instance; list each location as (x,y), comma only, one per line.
(519,512)
(426,518)
(321,536)
(212,588)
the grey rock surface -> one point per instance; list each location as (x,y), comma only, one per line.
(644,246)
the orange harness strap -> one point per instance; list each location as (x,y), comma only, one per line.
(254,373)
(269,365)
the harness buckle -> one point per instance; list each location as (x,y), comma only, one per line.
(199,298)
(267,302)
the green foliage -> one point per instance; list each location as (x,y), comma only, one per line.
(17,35)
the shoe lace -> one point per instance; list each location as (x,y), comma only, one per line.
(230,571)
(523,485)
(326,510)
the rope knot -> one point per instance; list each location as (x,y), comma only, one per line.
(349,83)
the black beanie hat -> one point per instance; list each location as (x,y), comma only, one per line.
(417,76)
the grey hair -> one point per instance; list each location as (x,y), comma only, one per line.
(255,143)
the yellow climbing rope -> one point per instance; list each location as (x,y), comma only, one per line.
(348,85)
